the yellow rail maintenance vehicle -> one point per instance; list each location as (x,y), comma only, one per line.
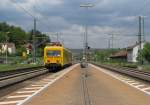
(56,56)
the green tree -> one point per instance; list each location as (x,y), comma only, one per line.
(4,27)
(15,34)
(2,37)
(41,40)
(19,37)
(20,50)
(145,53)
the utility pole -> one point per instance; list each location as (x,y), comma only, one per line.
(6,61)
(61,38)
(143,29)
(34,41)
(111,41)
(112,38)
(141,36)
(109,44)
(57,36)
(140,31)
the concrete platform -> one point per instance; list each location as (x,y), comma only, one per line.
(104,89)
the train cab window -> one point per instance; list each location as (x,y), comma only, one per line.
(55,53)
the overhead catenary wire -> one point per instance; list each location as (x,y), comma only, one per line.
(45,18)
(144,6)
(34,30)
(28,12)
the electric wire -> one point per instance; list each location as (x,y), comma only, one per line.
(29,13)
(45,18)
(144,6)
(26,11)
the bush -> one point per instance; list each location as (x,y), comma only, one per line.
(130,65)
(20,50)
(144,54)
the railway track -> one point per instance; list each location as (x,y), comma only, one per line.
(17,71)
(15,76)
(142,75)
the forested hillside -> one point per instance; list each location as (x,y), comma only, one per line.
(20,37)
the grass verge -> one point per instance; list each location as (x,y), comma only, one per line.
(9,67)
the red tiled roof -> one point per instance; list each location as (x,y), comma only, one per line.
(122,53)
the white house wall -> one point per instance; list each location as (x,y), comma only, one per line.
(11,50)
(129,56)
(133,54)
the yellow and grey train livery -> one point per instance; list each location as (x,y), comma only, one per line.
(56,56)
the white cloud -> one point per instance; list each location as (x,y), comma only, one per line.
(52,2)
(64,16)
(6,5)
(97,36)
(29,5)
(127,18)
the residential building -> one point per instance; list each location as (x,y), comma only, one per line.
(28,47)
(133,52)
(10,47)
(121,55)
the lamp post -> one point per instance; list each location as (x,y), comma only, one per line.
(87,6)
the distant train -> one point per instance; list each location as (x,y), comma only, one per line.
(56,56)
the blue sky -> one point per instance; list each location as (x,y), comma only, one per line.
(118,17)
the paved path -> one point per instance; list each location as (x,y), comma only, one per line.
(103,88)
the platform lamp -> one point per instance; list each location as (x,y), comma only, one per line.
(87,6)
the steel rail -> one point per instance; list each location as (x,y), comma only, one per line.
(20,74)
(142,75)
(18,77)
(18,71)
(131,69)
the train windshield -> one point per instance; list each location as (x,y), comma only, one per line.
(55,53)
